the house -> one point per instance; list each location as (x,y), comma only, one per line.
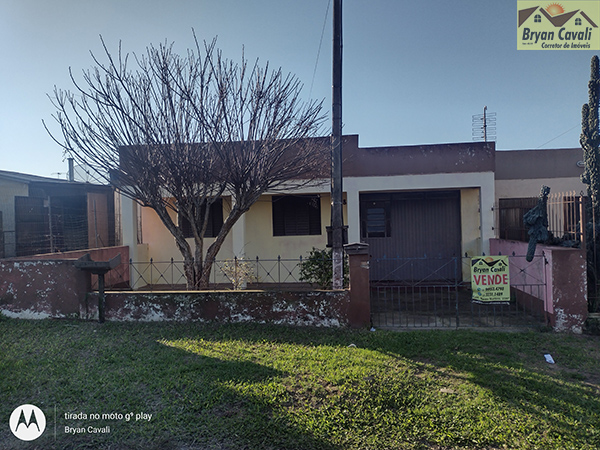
(520,175)
(556,16)
(414,201)
(47,215)
(436,201)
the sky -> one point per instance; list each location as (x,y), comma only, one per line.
(413,72)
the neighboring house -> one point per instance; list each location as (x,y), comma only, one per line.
(44,215)
(520,175)
(409,201)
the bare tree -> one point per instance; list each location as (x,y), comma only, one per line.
(178,132)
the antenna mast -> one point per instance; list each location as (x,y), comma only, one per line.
(484,126)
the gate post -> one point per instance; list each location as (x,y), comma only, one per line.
(359,313)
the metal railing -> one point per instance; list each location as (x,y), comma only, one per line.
(565,218)
(236,273)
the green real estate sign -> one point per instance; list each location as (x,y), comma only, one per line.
(490,280)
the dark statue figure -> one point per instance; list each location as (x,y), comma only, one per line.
(536,220)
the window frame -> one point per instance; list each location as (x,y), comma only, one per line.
(380,204)
(296,215)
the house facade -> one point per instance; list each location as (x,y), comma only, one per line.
(409,201)
(521,173)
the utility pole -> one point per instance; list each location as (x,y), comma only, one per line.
(337,218)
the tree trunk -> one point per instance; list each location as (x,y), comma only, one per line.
(197,266)
(214,248)
(189,263)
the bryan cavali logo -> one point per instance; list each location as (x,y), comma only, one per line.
(558,26)
(27,422)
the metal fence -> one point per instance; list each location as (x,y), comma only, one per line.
(565,216)
(236,273)
(432,292)
(435,300)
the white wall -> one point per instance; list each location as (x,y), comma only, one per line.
(532,187)
(484,182)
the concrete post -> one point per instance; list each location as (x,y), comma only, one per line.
(359,314)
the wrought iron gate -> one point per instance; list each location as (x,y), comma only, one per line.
(436,293)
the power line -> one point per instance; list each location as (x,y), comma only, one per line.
(562,134)
(319,50)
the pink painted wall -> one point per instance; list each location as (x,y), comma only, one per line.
(564,272)
(41,287)
(50,286)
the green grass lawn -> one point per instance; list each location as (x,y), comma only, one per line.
(274,387)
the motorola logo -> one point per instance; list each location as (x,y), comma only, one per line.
(27,422)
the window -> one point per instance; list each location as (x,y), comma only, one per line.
(510,217)
(537,18)
(578,21)
(215,221)
(376,219)
(296,215)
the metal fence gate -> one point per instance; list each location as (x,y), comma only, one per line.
(436,293)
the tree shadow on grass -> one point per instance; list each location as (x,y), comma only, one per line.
(222,403)
(216,402)
(205,393)
(508,368)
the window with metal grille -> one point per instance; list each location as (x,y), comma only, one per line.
(215,221)
(296,215)
(375,219)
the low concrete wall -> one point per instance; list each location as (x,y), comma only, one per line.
(50,286)
(565,272)
(117,277)
(314,308)
(41,289)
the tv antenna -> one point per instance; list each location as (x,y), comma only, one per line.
(484,126)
